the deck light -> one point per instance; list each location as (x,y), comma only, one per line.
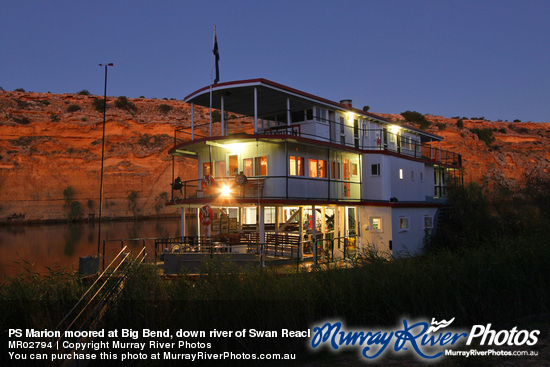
(226,190)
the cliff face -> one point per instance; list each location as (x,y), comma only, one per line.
(49,142)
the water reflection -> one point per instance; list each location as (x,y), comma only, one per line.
(63,244)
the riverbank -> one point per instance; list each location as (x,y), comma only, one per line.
(498,282)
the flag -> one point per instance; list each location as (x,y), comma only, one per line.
(217,56)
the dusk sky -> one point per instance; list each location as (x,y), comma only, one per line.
(453,58)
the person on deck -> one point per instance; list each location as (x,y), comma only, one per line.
(241,181)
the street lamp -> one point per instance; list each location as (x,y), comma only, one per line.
(102,156)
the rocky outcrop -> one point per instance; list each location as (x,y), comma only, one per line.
(49,142)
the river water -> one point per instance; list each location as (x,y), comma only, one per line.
(37,247)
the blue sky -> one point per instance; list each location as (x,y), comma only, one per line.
(451,58)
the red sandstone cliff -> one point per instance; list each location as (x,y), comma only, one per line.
(44,148)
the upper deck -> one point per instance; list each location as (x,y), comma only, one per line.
(279,110)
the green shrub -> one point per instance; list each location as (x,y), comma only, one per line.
(84,92)
(97,103)
(75,211)
(216,116)
(165,108)
(485,135)
(460,123)
(416,117)
(132,202)
(73,108)
(74,207)
(465,222)
(124,104)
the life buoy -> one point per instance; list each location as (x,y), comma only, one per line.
(206,215)
(208,183)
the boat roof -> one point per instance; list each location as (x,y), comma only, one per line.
(272,97)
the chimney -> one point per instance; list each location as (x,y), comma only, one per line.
(346,102)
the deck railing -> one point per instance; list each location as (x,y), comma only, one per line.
(273,187)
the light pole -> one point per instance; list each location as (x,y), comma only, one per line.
(102,157)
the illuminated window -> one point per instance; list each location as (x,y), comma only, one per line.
(300,166)
(313,168)
(400,173)
(347,185)
(261,166)
(292,165)
(248,167)
(233,165)
(403,223)
(295,166)
(354,171)
(376,224)
(322,168)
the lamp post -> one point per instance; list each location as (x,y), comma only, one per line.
(102,156)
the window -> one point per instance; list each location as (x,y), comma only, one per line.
(313,168)
(320,114)
(428,222)
(248,167)
(322,168)
(400,173)
(412,175)
(206,168)
(233,165)
(354,171)
(347,185)
(334,170)
(261,166)
(376,224)
(403,223)
(342,130)
(422,176)
(219,169)
(300,166)
(292,165)
(375,169)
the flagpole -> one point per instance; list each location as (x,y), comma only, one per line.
(211,72)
